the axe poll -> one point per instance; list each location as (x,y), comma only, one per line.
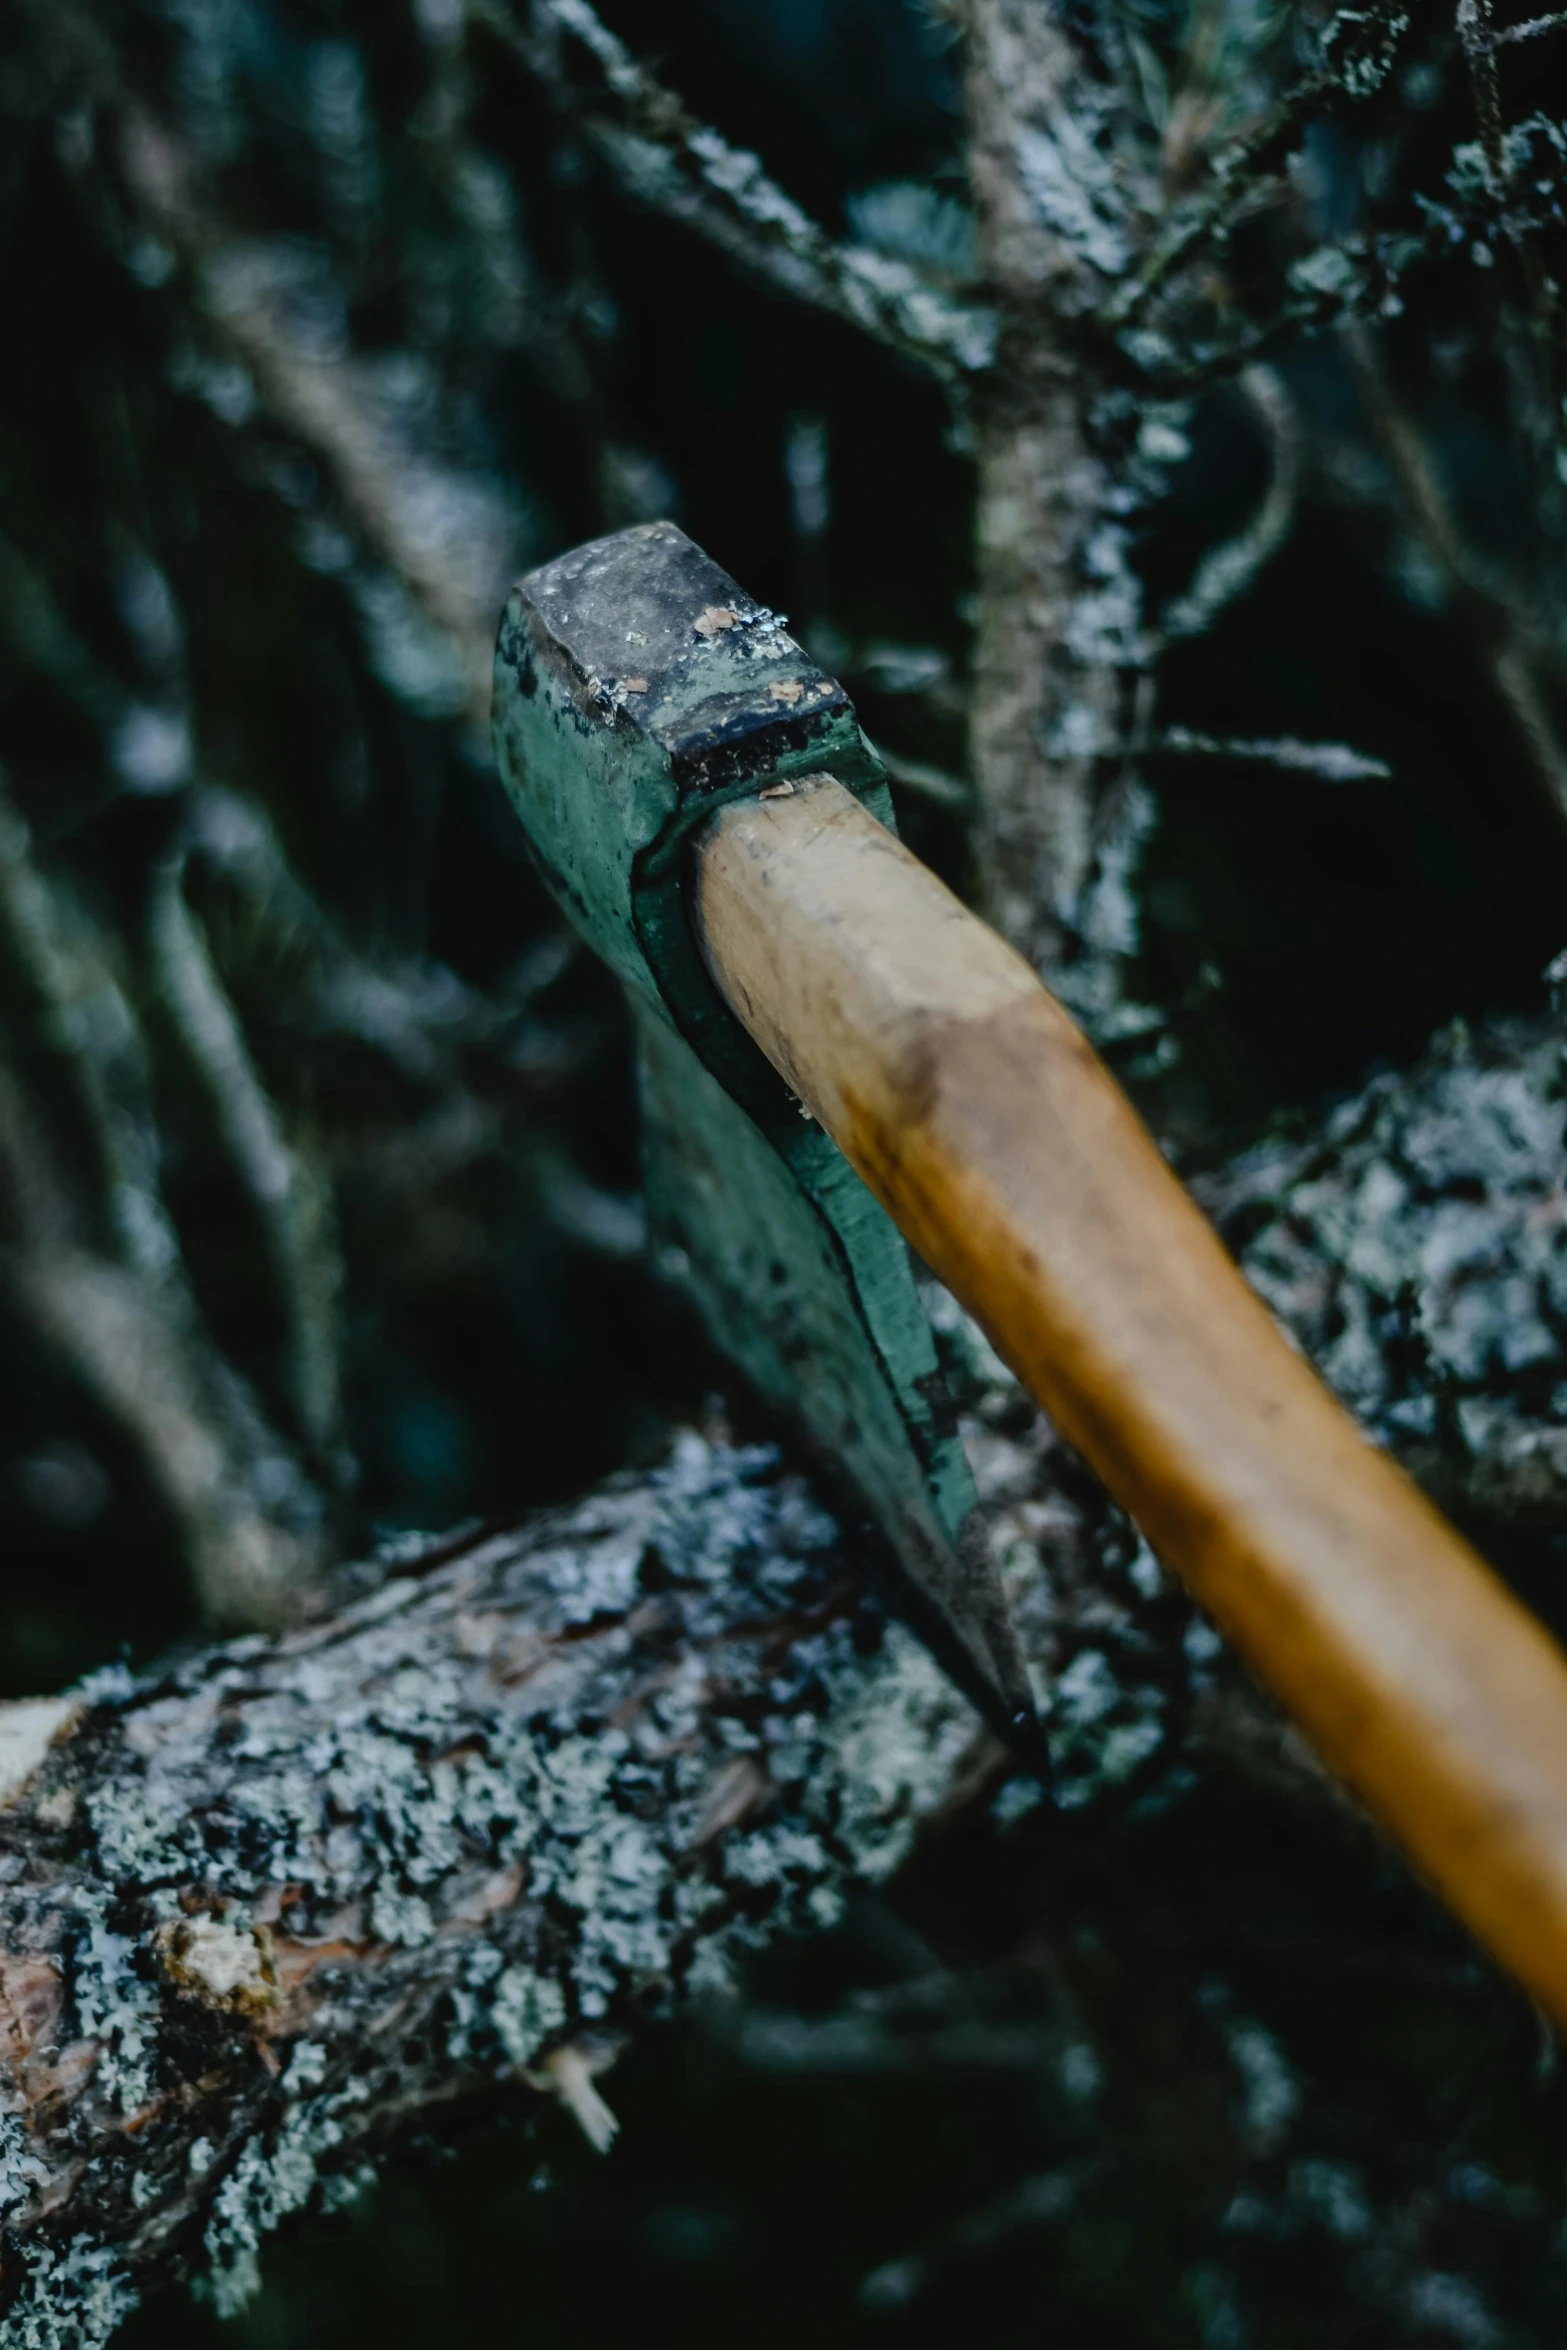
(706,809)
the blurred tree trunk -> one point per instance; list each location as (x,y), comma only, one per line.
(1046,695)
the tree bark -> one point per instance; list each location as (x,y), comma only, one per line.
(1044,711)
(1054,602)
(268,1906)
(261,1908)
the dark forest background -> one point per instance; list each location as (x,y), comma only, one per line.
(363,327)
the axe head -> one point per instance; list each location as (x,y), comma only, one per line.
(637,690)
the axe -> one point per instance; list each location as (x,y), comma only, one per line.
(838,1058)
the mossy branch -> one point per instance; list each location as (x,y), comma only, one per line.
(263,1910)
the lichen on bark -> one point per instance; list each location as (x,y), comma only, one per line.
(259,1908)
(511,1796)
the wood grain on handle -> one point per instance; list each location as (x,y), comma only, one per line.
(983,1120)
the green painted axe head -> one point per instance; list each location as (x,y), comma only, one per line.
(637,689)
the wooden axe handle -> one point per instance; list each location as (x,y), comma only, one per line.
(982,1119)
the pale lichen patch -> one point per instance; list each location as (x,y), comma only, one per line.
(75,2298)
(569,2072)
(225,1964)
(21,2172)
(29,1727)
(394,1823)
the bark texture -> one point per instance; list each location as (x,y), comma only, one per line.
(263,1909)
(1042,704)
(1056,607)
(260,1909)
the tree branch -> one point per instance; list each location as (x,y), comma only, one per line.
(1530,30)
(1503,631)
(666,159)
(445,537)
(265,1909)
(1228,571)
(95,1268)
(1329,762)
(1056,600)
(1359,49)
(289,1198)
